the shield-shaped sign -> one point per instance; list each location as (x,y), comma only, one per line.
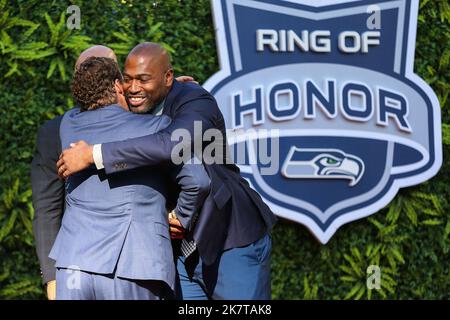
(328,89)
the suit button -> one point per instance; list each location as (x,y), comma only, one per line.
(120,165)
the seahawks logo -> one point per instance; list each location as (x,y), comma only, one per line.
(322,164)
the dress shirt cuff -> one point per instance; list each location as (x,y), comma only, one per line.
(98,157)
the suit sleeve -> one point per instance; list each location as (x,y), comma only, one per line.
(48,195)
(157,148)
(194,185)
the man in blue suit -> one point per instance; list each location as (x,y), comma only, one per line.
(114,235)
(230,237)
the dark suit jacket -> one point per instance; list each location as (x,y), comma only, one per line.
(48,194)
(233,215)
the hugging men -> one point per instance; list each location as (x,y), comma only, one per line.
(231,245)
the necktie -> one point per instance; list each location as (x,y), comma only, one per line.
(189,246)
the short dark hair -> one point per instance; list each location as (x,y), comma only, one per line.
(93,83)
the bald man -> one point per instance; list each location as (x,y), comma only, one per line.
(48,188)
(226,250)
(95,51)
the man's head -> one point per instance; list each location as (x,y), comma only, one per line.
(95,51)
(95,82)
(148,77)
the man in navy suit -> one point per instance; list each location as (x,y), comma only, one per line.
(226,250)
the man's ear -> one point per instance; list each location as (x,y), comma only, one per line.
(120,95)
(119,87)
(169,77)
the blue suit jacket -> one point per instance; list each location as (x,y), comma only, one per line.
(233,215)
(119,222)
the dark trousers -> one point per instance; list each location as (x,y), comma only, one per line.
(239,274)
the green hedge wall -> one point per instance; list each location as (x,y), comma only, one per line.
(409,239)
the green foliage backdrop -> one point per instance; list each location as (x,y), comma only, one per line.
(409,239)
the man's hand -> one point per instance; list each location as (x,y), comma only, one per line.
(186,79)
(51,290)
(176,229)
(78,157)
